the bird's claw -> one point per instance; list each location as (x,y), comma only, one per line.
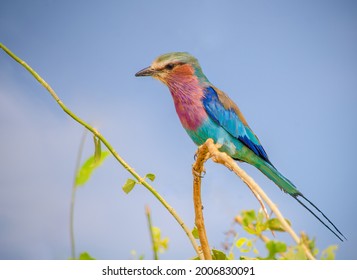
(198,174)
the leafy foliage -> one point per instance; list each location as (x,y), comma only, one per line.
(275,247)
(218,255)
(257,225)
(150,176)
(160,244)
(129,185)
(85,256)
(195,232)
(86,171)
(329,253)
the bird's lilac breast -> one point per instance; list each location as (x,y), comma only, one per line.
(191,115)
(187,96)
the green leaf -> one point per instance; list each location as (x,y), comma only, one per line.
(195,233)
(85,172)
(275,225)
(250,230)
(293,253)
(97,149)
(329,253)
(85,256)
(241,241)
(218,255)
(275,247)
(248,258)
(249,243)
(300,253)
(245,250)
(249,217)
(129,185)
(255,251)
(260,217)
(231,256)
(160,244)
(244,244)
(150,176)
(259,228)
(164,244)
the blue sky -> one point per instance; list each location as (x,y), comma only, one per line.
(291,66)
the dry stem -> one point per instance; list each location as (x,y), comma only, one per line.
(197,170)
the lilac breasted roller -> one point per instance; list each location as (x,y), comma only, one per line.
(207,112)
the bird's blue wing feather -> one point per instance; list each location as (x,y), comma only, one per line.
(224,112)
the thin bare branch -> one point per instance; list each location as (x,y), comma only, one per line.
(197,170)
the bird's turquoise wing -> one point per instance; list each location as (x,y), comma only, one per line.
(225,112)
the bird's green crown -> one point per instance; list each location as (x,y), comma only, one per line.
(176,58)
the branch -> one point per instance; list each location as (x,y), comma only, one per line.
(210,150)
(197,170)
(95,132)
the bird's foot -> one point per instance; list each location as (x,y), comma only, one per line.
(198,173)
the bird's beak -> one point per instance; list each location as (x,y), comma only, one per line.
(148,71)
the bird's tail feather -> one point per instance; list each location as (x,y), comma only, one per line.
(313,205)
(287,186)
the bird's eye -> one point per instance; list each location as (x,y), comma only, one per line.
(170,66)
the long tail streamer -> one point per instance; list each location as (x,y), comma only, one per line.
(317,217)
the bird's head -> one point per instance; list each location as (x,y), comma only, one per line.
(173,67)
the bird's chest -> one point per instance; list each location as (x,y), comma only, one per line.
(191,113)
(187,97)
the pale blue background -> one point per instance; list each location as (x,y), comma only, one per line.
(290,65)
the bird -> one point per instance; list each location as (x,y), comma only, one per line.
(207,112)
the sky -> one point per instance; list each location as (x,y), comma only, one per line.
(291,66)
